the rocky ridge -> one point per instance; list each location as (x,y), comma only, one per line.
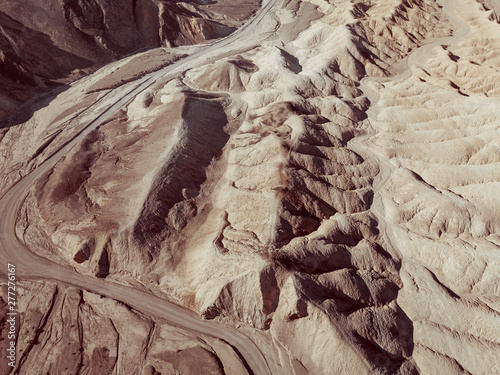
(48,44)
(298,202)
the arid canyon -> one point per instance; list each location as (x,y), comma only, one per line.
(220,187)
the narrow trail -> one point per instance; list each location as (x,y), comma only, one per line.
(30,265)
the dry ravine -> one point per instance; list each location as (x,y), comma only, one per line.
(316,191)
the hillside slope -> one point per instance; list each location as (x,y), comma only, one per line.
(329,185)
(49,43)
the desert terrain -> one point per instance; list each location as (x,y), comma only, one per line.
(47,44)
(286,187)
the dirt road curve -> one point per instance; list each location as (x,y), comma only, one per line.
(28,264)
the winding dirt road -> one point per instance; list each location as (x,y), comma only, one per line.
(30,265)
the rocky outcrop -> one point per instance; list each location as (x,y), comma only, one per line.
(334,189)
(65,330)
(44,45)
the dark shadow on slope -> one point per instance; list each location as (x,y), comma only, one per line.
(386,363)
(347,277)
(292,62)
(26,111)
(32,71)
(202,137)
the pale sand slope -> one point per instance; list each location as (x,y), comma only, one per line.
(355,224)
(438,129)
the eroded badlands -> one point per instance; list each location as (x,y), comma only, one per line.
(327,185)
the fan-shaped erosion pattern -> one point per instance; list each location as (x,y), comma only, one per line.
(330,191)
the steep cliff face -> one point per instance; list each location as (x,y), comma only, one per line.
(42,43)
(30,64)
(332,184)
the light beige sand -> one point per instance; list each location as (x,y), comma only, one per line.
(333,190)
